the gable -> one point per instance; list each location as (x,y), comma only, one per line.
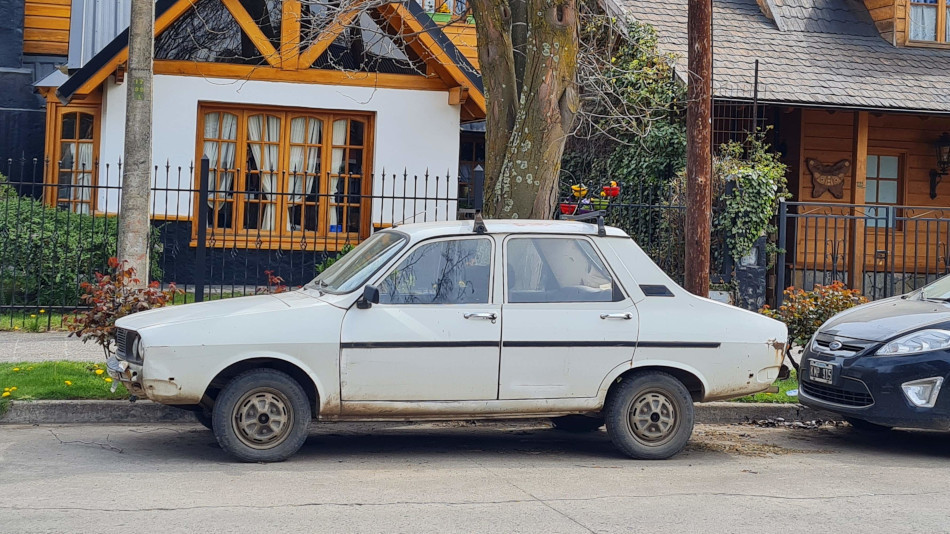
(389,45)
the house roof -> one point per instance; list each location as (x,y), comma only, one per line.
(814,52)
(417,21)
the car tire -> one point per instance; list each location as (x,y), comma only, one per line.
(649,416)
(577,423)
(866,426)
(247,409)
(204,417)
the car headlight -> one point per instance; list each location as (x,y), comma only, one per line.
(137,349)
(917,342)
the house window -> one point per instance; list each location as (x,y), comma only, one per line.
(73,176)
(882,187)
(928,20)
(286,176)
(471,155)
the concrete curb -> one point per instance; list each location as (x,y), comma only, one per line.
(141,412)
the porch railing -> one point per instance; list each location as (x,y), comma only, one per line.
(882,250)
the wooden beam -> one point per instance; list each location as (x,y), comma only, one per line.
(320,76)
(253,31)
(435,53)
(161,24)
(290,35)
(458,96)
(328,34)
(859,174)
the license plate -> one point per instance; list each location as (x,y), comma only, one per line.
(822,372)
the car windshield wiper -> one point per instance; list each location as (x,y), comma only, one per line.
(936,299)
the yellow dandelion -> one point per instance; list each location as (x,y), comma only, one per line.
(42,311)
(32,316)
(16,369)
(29,368)
(99,371)
(13,388)
(6,389)
(16,327)
(5,394)
(108,379)
(68,383)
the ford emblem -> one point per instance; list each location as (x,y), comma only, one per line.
(834,345)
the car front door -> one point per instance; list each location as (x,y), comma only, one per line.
(435,333)
(567,320)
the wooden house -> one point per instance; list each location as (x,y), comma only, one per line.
(856,94)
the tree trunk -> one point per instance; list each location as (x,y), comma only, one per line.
(699,148)
(137,169)
(531,101)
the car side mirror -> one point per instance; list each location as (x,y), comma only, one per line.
(370,297)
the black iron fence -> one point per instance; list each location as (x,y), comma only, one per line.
(883,250)
(215,232)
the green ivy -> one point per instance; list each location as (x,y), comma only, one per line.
(759,180)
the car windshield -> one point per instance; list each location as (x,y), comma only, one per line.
(353,269)
(938,290)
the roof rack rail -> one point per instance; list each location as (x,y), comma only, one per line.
(599,215)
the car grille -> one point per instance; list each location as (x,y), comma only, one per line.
(856,395)
(848,345)
(121,336)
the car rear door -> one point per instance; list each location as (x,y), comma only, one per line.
(435,334)
(567,322)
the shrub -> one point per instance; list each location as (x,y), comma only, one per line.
(803,312)
(111,297)
(46,253)
(330,260)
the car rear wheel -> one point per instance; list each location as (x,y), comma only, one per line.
(578,423)
(650,416)
(262,415)
(866,426)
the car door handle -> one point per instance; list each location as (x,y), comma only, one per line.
(487,316)
(616,316)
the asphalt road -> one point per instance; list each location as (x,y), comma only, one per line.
(463,478)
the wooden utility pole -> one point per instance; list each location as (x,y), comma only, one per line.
(699,147)
(137,169)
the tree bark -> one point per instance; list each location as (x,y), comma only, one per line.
(136,172)
(699,147)
(531,101)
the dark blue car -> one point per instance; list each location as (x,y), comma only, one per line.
(884,364)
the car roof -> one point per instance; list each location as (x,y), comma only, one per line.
(505,226)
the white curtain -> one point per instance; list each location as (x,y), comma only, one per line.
(221,179)
(266,159)
(923,22)
(84,178)
(303,170)
(337,165)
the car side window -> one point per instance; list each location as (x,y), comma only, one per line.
(541,269)
(456,271)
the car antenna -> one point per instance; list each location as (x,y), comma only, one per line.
(479,226)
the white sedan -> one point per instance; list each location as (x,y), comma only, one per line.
(446,320)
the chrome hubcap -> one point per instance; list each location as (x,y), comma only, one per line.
(263,418)
(653,417)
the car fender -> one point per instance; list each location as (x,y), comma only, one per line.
(637,364)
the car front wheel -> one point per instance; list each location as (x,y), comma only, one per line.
(650,416)
(262,415)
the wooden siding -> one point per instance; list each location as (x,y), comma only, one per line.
(883,13)
(462,35)
(46,27)
(921,237)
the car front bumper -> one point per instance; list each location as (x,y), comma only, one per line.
(868,387)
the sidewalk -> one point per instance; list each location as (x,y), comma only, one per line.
(30,347)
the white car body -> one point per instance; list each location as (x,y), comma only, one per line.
(411,361)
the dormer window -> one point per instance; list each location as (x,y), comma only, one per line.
(928,21)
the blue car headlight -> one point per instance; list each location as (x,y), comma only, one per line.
(917,342)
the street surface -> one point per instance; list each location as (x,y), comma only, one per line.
(490,477)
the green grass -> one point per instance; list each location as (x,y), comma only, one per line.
(783,386)
(48,381)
